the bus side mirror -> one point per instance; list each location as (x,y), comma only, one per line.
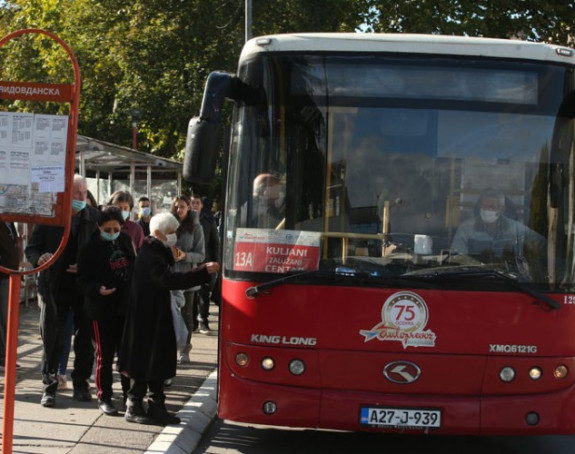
(201,150)
(203,132)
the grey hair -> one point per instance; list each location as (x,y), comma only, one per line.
(78,179)
(164,222)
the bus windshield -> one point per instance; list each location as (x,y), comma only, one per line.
(393,166)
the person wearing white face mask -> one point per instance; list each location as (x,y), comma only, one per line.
(493,237)
(148,352)
(212,244)
(125,202)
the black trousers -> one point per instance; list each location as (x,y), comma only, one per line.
(53,315)
(202,303)
(107,339)
(140,387)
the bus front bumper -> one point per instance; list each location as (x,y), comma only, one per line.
(276,405)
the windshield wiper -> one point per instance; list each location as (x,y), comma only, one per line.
(510,279)
(252,292)
(342,273)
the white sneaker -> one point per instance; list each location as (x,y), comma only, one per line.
(205,328)
(184,358)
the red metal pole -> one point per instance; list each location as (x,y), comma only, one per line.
(61,217)
(11,355)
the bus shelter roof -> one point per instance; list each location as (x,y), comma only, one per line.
(93,155)
(104,160)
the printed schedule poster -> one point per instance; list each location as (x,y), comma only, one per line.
(32,161)
(276,251)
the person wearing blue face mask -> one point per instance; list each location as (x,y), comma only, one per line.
(59,292)
(144,214)
(125,201)
(104,270)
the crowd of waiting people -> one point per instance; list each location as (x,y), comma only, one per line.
(113,290)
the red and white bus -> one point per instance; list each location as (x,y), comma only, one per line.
(398,244)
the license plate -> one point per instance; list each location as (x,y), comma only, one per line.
(419,418)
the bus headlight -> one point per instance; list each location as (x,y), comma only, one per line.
(242,359)
(535,373)
(561,371)
(507,374)
(297,367)
(268,363)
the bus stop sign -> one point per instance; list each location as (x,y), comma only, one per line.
(37,154)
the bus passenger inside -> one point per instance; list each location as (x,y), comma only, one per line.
(269,198)
(492,237)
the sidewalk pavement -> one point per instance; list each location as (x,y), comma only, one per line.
(79,427)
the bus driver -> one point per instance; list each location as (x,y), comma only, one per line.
(269,195)
(493,237)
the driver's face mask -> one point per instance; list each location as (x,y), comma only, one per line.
(489,216)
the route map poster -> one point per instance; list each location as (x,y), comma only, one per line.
(32,162)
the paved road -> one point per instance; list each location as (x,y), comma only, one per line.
(74,427)
(229,438)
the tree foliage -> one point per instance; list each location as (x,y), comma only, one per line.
(153,56)
(550,21)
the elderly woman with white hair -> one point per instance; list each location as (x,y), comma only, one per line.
(148,352)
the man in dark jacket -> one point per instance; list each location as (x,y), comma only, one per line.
(212,247)
(9,258)
(57,287)
(144,214)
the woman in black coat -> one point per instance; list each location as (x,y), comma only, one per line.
(148,353)
(104,271)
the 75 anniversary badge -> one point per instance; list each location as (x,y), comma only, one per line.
(404,316)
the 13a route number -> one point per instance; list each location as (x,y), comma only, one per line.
(243,260)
